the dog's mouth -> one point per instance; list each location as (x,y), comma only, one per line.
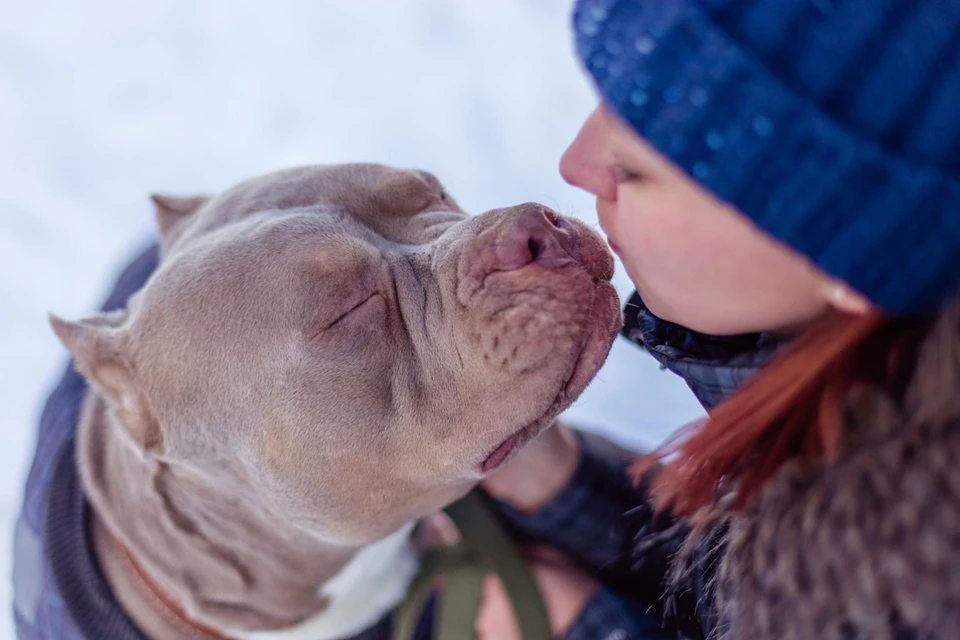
(514,443)
(596,344)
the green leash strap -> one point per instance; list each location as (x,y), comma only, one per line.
(460,601)
(481,529)
(407,615)
(488,548)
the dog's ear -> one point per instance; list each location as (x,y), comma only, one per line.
(99,351)
(172,213)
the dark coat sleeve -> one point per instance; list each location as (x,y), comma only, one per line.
(607,524)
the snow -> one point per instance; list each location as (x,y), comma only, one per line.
(103,101)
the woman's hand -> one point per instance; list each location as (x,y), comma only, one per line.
(539,472)
(566,589)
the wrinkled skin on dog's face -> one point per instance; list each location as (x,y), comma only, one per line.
(348,346)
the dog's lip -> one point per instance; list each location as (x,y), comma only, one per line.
(502,452)
(594,337)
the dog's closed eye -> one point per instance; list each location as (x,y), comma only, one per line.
(375,299)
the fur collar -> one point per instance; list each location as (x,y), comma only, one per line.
(867,546)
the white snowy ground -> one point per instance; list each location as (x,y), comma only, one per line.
(102,101)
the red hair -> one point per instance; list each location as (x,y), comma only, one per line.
(791,410)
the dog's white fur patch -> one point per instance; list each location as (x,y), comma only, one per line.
(371,584)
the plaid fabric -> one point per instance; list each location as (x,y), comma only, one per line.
(712,366)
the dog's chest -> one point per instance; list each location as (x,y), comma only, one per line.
(370,585)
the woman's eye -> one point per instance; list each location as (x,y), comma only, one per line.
(622,175)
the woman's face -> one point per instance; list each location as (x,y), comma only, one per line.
(695,260)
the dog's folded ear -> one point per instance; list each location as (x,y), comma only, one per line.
(172,214)
(98,349)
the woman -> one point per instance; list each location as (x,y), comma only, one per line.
(782,181)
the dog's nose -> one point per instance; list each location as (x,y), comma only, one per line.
(536,234)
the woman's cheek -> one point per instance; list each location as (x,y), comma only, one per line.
(647,234)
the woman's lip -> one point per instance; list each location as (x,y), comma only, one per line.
(501,453)
(614,247)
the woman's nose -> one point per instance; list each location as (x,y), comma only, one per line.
(571,165)
(583,165)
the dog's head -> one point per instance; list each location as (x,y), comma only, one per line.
(346,346)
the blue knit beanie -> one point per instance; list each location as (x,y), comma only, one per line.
(833,124)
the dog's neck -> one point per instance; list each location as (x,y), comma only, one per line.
(223,559)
